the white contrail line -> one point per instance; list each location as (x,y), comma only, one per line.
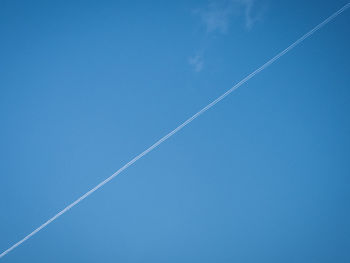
(251,75)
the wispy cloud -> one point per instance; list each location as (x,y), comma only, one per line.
(197,62)
(250,17)
(217,17)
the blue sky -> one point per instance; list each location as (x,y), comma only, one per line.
(87,85)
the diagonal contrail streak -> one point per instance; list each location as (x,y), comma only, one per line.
(189,120)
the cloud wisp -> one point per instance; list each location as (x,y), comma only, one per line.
(197,62)
(216,18)
(217,15)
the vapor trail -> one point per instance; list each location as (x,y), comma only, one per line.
(251,75)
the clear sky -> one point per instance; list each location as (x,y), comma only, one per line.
(87,85)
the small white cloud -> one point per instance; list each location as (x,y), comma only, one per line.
(196,62)
(216,16)
(251,17)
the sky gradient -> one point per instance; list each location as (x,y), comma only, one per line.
(262,177)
